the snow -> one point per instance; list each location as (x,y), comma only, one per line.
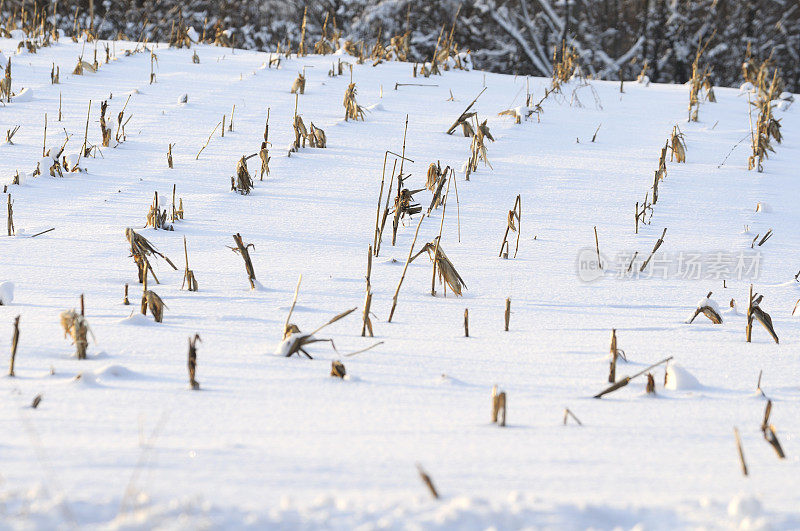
(23,95)
(271,442)
(746,87)
(680,379)
(6,293)
(711,303)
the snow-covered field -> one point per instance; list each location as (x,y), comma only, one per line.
(274,442)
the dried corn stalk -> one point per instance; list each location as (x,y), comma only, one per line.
(141,249)
(698,81)
(755,312)
(263,153)
(447,271)
(514,225)
(708,310)
(104,129)
(294,341)
(244,251)
(353,111)
(188,275)
(317,137)
(155,305)
(337,369)
(565,64)
(478,148)
(83,66)
(156,217)
(76,326)
(5,84)
(243,182)
(434,176)
(767,127)
(404,203)
(678,145)
(299,85)
(300,134)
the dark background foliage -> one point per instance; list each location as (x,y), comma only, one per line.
(513,36)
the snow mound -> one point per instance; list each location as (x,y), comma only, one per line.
(192,34)
(445,379)
(679,379)
(374,107)
(25,94)
(732,310)
(86,379)
(741,507)
(136,319)
(6,293)
(36,509)
(115,371)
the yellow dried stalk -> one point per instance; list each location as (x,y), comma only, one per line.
(155,305)
(677,145)
(299,85)
(353,111)
(767,127)
(434,175)
(76,326)
(564,66)
(317,137)
(445,268)
(698,80)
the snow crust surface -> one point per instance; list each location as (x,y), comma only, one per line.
(274,442)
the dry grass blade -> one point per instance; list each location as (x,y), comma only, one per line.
(286,325)
(191,362)
(336,318)
(409,259)
(568,413)
(428,481)
(740,451)
(363,349)
(653,252)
